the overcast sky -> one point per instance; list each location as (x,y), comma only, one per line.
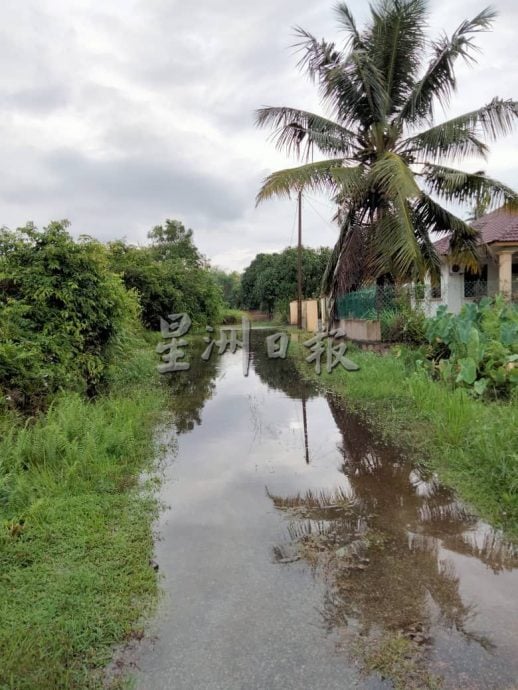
(117,115)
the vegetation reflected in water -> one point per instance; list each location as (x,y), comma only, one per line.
(191,389)
(380,544)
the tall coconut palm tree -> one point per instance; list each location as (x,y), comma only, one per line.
(387,165)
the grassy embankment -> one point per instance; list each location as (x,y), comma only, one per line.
(75,530)
(472,444)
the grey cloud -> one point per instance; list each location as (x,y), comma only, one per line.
(145,110)
(139,181)
(39,100)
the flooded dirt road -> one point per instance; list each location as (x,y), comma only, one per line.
(298,551)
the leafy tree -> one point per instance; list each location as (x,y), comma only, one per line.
(482,203)
(173,241)
(63,313)
(252,295)
(230,286)
(387,165)
(155,282)
(270,282)
(168,276)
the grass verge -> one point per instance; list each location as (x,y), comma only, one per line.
(398,658)
(472,444)
(75,530)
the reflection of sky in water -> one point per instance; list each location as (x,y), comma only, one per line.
(263,430)
(250,441)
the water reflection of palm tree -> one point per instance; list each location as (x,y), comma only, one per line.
(410,499)
(379,545)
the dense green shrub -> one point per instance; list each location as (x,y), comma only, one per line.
(63,313)
(403,324)
(478,349)
(169,276)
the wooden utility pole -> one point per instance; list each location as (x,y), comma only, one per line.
(299,267)
(305,422)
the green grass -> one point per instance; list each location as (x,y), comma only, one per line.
(472,444)
(232,316)
(397,658)
(75,531)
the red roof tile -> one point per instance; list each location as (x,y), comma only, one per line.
(498,226)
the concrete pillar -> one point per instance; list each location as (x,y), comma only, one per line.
(445,282)
(293,313)
(455,293)
(505,274)
(312,315)
(492,277)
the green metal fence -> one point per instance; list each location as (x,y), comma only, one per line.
(379,303)
(369,302)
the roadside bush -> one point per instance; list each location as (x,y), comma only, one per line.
(281,313)
(63,314)
(167,285)
(478,349)
(402,324)
(232,316)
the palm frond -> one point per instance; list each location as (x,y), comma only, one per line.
(396,40)
(453,139)
(393,177)
(346,268)
(365,73)
(438,82)
(462,187)
(431,259)
(344,94)
(352,87)
(327,175)
(299,132)
(318,57)
(464,239)
(394,248)
(493,120)
(346,20)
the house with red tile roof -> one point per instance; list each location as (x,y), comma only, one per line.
(498,244)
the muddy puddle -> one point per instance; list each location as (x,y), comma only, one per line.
(298,551)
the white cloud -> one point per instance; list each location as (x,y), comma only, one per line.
(122,116)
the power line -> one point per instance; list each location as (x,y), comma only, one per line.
(318,201)
(326,221)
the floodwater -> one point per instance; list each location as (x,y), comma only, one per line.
(293,544)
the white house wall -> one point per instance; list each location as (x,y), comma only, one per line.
(455,299)
(428,305)
(492,272)
(452,293)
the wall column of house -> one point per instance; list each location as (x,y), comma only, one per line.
(492,276)
(445,276)
(455,292)
(505,273)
